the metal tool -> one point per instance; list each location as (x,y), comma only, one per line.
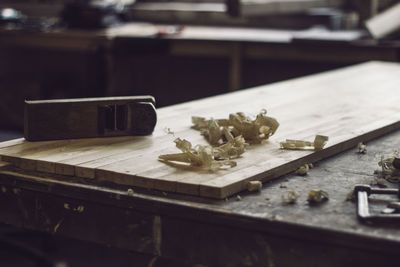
(89,117)
(390,214)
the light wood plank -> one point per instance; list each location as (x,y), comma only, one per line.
(349,105)
(384,23)
(34,156)
(13,142)
(3,164)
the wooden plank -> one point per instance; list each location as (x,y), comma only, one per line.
(42,156)
(13,142)
(263,7)
(69,165)
(3,164)
(15,153)
(384,23)
(349,105)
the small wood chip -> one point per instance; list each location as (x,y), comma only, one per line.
(290,197)
(351,196)
(130,192)
(303,170)
(381,182)
(317,196)
(362,148)
(254,186)
(318,144)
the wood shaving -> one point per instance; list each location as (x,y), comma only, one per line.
(362,148)
(254,186)
(317,196)
(390,168)
(318,144)
(228,138)
(290,197)
(130,192)
(207,157)
(303,170)
(351,196)
(253,130)
(381,182)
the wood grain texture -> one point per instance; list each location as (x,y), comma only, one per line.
(349,105)
(3,164)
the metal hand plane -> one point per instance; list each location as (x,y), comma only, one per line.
(89,117)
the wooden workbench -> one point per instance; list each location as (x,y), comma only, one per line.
(256,229)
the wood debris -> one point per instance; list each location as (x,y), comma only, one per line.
(207,157)
(351,196)
(381,182)
(362,148)
(220,131)
(390,168)
(317,196)
(130,192)
(254,186)
(318,144)
(228,139)
(303,170)
(290,197)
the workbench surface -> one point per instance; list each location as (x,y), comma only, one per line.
(255,229)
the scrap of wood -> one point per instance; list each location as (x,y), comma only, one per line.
(318,144)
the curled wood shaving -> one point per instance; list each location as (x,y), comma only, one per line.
(362,148)
(317,196)
(207,157)
(390,168)
(228,139)
(303,170)
(253,130)
(290,197)
(318,144)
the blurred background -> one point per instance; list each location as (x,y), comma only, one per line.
(175,50)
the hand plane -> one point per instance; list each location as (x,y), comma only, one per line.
(89,117)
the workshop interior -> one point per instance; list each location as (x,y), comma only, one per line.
(199,133)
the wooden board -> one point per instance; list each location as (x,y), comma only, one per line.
(267,7)
(385,23)
(349,105)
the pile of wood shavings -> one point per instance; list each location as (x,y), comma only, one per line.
(228,139)
(253,130)
(206,157)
